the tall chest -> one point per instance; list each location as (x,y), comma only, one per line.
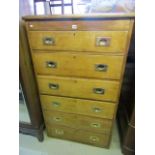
(79,64)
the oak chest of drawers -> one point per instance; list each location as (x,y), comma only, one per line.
(79,64)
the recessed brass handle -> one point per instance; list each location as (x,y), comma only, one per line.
(95,125)
(98,90)
(51,64)
(56,104)
(48,41)
(97,110)
(101,67)
(57,119)
(103,41)
(94,138)
(53,86)
(59,131)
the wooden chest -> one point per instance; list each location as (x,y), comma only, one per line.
(79,64)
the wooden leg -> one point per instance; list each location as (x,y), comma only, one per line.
(40,136)
(33,131)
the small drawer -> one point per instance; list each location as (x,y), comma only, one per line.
(79,65)
(78,106)
(79,25)
(78,121)
(91,41)
(101,140)
(60,132)
(78,87)
(83,136)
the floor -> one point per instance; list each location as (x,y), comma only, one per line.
(50,146)
(23,113)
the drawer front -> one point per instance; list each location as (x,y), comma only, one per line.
(96,41)
(79,25)
(79,65)
(80,88)
(78,106)
(101,140)
(78,121)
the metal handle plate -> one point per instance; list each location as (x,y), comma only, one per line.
(95,125)
(94,138)
(101,67)
(51,64)
(103,41)
(56,104)
(57,119)
(97,110)
(53,86)
(48,41)
(98,90)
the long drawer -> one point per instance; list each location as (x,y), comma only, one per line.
(78,87)
(78,106)
(96,41)
(101,140)
(78,121)
(75,64)
(79,25)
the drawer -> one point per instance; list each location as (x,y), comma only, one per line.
(78,106)
(101,140)
(96,41)
(78,121)
(78,87)
(79,25)
(79,65)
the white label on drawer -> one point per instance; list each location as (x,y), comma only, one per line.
(74,27)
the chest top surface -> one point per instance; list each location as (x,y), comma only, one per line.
(95,9)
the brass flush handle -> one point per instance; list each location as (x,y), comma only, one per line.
(51,64)
(95,125)
(57,119)
(98,90)
(103,41)
(53,86)
(97,110)
(94,138)
(56,104)
(101,67)
(48,41)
